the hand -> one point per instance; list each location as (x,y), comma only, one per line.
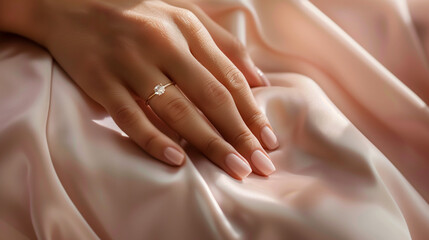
(119,50)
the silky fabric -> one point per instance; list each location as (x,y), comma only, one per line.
(348,102)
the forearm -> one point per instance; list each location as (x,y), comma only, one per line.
(35,19)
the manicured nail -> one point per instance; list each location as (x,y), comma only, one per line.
(262,162)
(269,138)
(238,166)
(262,76)
(174,156)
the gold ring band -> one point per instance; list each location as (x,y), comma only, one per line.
(158,90)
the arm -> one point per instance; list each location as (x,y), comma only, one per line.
(22,17)
(116,49)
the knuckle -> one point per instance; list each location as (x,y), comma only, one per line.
(216,94)
(212,145)
(243,137)
(177,109)
(235,79)
(156,31)
(185,16)
(126,115)
(188,20)
(152,24)
(236,48)
(156,26)
(149,141)
(255,120)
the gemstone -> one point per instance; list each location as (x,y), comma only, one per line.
(159,89)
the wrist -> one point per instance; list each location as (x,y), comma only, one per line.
(27,18)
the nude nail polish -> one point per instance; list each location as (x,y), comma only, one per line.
(269,138)
(262,162)
(237,165)
(174,156)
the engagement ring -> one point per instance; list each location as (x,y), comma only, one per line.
(158,90)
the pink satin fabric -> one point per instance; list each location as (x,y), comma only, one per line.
(348,101)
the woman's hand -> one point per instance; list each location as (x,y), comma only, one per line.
(120,51)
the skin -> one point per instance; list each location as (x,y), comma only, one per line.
(117,51)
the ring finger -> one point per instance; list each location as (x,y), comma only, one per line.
(182,116)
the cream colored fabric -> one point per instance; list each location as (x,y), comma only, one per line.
(348,103)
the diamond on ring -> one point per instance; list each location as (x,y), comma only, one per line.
(158,90)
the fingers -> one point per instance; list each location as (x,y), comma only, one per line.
(182,116)
(205,50)
(229,45)
(130,118)
(217,104)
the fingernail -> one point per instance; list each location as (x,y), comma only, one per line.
(174,156)
(262,76)
(262,162)
(269,138)
(238,166)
